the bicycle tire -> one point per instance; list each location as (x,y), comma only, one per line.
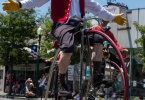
(51,73)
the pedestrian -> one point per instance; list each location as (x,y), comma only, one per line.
(41,82)
(61,10)
(30,92)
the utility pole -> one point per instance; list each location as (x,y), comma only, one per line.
(38,57)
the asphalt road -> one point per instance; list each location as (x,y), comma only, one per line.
(24,98)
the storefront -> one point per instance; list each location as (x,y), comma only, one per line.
(2,78)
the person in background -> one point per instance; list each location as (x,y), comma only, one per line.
(111,35)
(30,92)
(64,33)
(41,82)
(16,87)
(112,56)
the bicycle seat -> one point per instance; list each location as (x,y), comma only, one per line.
(107,28)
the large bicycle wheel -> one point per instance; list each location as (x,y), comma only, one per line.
(126,90)
(52,76)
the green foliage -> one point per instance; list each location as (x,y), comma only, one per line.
(46,50)
(16,29)
(141,40)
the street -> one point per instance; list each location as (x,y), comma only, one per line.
(23,98)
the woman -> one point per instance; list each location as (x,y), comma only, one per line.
(30,90)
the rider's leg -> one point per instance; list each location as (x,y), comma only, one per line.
(96,61)
(65,39)
(63,66)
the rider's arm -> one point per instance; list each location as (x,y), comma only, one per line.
(13,5)
(98,10)
(33,3)
(111,35)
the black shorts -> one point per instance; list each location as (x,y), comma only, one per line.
(66,39)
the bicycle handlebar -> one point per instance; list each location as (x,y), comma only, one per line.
(84,19)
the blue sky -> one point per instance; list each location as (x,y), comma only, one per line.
(132,4)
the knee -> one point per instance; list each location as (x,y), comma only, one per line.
(98,39)
(67,55)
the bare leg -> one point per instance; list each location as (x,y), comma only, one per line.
(96,61)
(64,62)
(63,66)
(97,52)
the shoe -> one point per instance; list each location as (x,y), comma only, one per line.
(91,97)
(100,92)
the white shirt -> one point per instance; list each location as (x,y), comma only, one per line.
(90,6)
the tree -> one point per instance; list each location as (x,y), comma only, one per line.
(141,40)
(46,48)
(16,30)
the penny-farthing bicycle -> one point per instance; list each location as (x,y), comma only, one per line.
(53,72)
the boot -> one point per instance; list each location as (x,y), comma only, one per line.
(62,86)
(61,81)
(97,75)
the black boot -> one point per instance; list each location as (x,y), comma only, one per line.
(62,87)
(97,75)
(61,81)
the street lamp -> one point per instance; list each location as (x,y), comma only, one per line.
(39,30)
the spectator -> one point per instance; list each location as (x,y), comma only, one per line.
(16,87)
(30,90)
(41,82)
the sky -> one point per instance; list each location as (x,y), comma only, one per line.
(132,4)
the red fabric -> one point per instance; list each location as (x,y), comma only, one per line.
(60,9)
(110,34)
(58,57)
(54,44)
(82,8)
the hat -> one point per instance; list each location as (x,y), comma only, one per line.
(29,80)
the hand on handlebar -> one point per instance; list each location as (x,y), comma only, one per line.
(10,6)
(119,19)
(124,52)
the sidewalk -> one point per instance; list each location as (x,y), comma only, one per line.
(4,96)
